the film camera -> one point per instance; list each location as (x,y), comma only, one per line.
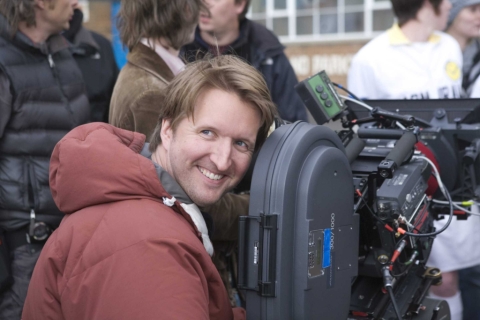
(340,225)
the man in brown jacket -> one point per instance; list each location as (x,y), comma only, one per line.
(133,243)
(154,31)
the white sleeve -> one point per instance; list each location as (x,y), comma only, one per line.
(459,56)
(473,80)
(475,89)
(361,80)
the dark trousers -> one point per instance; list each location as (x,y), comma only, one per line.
(23,262)
(469,283)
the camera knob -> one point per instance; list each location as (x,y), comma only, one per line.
(409,197)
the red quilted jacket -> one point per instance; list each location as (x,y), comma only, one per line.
(120,253)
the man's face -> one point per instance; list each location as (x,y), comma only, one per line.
(223,15)
(467,23)
(210,155)
(56,14)
(442,16)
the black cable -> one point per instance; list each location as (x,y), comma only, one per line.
(431,234)
(419,235)
(371,212)
(347,91)
(392,298)
(404,272)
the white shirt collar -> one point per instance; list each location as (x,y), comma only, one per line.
(173,62)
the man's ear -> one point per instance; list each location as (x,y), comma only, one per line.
(166,133)
(41,4)
(240,6)
(428,4)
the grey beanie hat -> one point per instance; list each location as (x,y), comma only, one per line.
(458,5)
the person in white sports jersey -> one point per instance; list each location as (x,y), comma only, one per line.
(411,60)
(414,60)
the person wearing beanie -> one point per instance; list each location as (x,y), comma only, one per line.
(464,25)
(464,21)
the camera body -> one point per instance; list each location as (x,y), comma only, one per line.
(320,230)
(385,205)
(336,220)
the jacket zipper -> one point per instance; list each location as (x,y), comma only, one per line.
(31,199)
(57,81)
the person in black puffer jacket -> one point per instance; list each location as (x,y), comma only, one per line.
(42,97)
(94,56)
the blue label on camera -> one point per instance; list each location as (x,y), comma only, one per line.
(327,238)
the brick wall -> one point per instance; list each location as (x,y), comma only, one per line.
(334,58)
(99,17)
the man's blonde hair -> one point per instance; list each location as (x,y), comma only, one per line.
(227,73)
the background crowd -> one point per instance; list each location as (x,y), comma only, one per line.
(56,75)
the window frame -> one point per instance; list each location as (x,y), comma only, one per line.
(290,12)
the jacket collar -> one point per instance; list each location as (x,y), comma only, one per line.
(240,41)
(263,43)
(178,194)
(169,184)
(242,36)
(171,60)
(145,58)
(396,37)
(84,39)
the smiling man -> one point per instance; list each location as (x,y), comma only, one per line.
(203,156)
(42,97)
(133,243)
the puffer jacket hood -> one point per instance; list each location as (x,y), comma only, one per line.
(89,168)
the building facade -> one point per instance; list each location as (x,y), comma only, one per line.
(319,34)
(323,34)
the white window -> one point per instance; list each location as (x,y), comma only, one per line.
(85,7)
(323,20)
